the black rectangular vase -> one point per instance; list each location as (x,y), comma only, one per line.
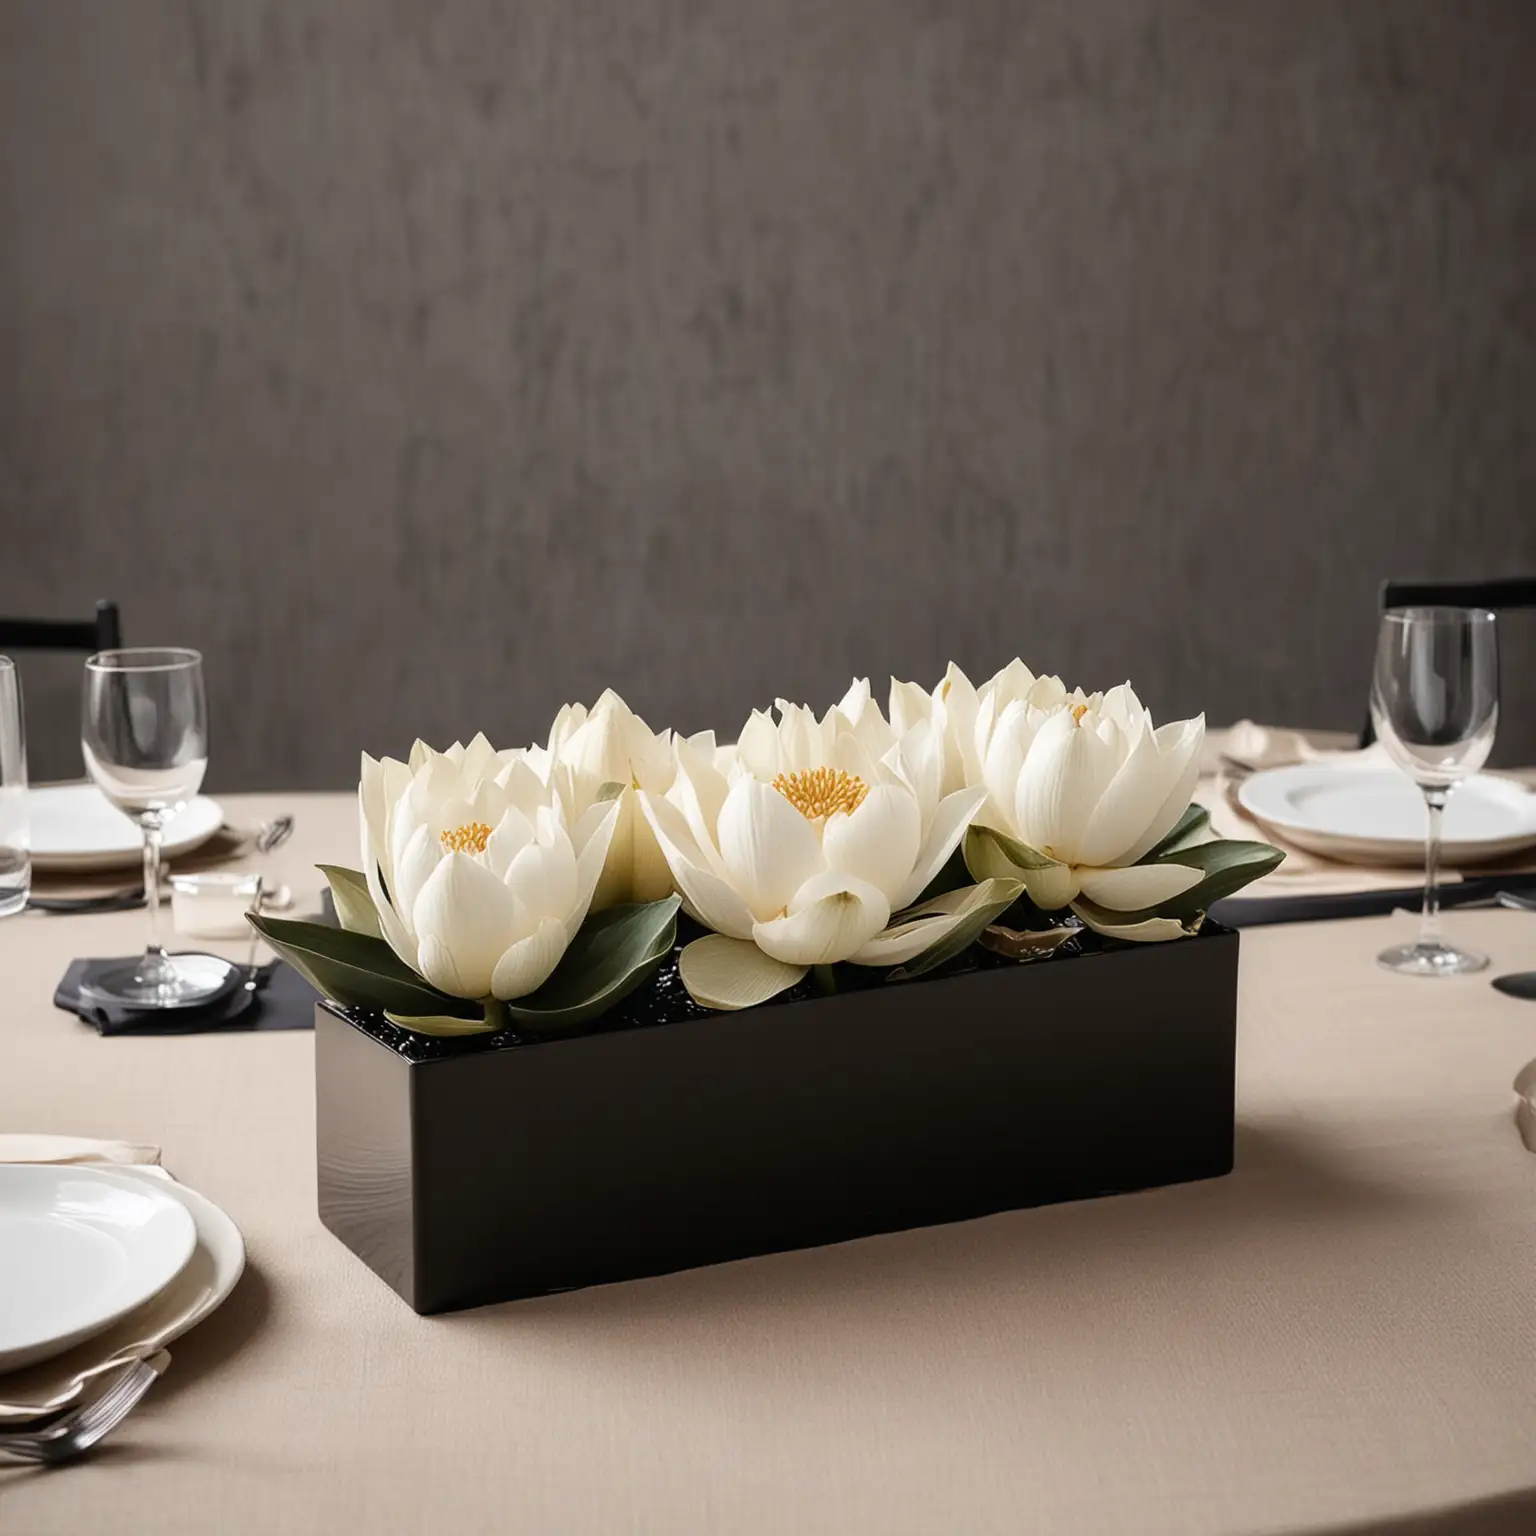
(496,1174)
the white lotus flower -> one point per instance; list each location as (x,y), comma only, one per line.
(826,829)
(965,715)
(610,745)
(478,882)
(1087,787)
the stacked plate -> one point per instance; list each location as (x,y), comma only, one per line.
(1364,815)
(102,1265)
(75,828)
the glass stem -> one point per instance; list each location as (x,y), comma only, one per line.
(1429,923)
(155,962)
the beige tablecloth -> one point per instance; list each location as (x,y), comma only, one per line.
(1342,1333)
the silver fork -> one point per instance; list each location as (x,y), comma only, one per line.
(77,1432)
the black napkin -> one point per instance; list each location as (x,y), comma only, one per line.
(282,1000)
(1256,911)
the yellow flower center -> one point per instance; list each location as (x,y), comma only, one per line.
(470,838)
(818,792)
(1078,711)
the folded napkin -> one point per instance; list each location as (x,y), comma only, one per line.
(282,1000)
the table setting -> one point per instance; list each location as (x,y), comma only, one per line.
(832,948)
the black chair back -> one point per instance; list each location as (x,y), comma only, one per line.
(103,633)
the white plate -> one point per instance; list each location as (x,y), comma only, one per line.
(216,1264)
(1378,816)
(83,1247)
(75,826)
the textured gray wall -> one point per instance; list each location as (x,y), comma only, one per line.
(430,363)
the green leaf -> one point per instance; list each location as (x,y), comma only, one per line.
(992,854)
(1191,826)
(354,906)
(615,951)
(1020,855)
(975,907)
(446,1025)
(1228,865)
(725,973)
(357,970)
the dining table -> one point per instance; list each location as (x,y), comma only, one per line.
(1338,1336)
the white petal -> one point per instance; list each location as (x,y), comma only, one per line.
(465,920)
(1128,806)
(591,859)
(699,791)
(479,757)
(1153,930)
(1013,682)
(870,730)
(1066,772)
(489,803)
(918,760)
(1050,693)
(1004,762)
(758,745)
(850,755)
(904,941)
(1138,886)
(831,917)
(733,973)
(1122,705)
(524,788)
(566,723)
(1052,888)
(879,842)
(802,743)
(420,856)
(955,711)
(543,878)
(854,702)
(770,849)
(649,877)
(525,967)
(1179,741)
(370,804)
(952,817)
(396,930)
(397,780)
(909,704)
(708,898)
(513,833)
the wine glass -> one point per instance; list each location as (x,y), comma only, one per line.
(144,734)
(15,863)
(1435,707)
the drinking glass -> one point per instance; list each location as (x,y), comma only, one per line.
(1435,706)
(144,734)
(15,858)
